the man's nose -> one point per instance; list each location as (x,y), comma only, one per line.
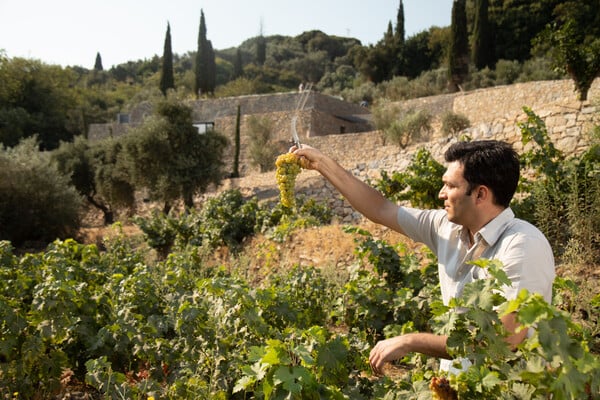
(442,193)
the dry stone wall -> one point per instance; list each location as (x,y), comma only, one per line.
(494,114)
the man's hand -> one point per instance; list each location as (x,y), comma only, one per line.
(399,346)
(388,350)
(309,156)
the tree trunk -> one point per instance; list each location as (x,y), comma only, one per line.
(109,216)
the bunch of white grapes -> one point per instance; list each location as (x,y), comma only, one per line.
(288,167)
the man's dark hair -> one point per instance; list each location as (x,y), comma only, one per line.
(491,163)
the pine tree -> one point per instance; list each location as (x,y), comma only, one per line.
(205,67)
(458,61)
(98,63)
(166,78)
(482,44)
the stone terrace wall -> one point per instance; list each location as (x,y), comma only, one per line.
(494,114)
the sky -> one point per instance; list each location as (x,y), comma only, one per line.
(71,32)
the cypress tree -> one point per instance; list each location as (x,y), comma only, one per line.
(98,63)
(238,66)
(205,67)
(482,46)
(236,154)
(166,78)
(458,60)
(261,50)
(211,78)
(400,31)
(399,62)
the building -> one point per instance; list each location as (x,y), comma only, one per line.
(316,115)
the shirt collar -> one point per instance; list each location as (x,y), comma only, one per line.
(494,229)
(491,231)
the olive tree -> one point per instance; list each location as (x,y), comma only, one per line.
(169,158)
(96,172)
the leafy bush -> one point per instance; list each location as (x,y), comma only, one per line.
(402,127)
(554,361)
(395,295)
(507,72)
(539,69)
(227,220)
(562,197)
(37,203)
(412,126)
(261,149)
(277,221)
(453,123)
(419,184)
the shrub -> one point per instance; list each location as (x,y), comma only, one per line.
(419,185)
(402,127)
(453,123)
(262,151)
(562,200)
(538,69)
(481,79)
(507,72)
(36,201)
(413,126)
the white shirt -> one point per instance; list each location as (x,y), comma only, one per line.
(523,250)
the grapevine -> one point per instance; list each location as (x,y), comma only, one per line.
(288,167)
(441,389)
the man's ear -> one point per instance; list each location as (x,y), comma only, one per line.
(483,193)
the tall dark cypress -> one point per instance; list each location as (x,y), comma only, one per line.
(211,68)
(400,31)
(261,50)
(482,51)
(205,69)
(98,63)
(238,66)
(167,80)
(236,154)
(458,60)
(399,61)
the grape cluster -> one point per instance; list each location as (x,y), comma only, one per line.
(288,167)
(441,389)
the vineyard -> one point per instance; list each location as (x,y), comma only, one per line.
(123,326)
(222,303)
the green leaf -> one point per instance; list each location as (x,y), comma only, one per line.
(490,380)
(284,377)
(243,383)
(275,353)
(304,354)
(523,391)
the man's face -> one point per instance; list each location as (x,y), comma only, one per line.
(458,204)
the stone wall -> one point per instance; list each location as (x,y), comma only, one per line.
(493,112)
(320,115)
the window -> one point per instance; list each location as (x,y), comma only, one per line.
(204,127)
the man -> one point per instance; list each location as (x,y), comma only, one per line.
(476,222)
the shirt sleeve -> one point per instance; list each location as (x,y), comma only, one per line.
(422,225)
(529,264)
